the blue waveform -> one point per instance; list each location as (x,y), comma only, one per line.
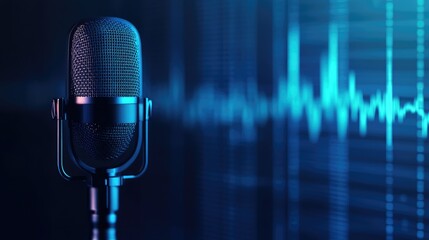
(296,98)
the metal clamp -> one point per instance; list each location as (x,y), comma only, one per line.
(58,114)
(147,110)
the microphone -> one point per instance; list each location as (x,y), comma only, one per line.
(106,113)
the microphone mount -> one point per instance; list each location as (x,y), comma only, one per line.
(58,112)
(103,184)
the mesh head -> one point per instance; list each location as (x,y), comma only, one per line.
(104,61)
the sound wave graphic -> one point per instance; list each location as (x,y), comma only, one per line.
(296,99)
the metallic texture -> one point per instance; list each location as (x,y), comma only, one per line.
(105,62)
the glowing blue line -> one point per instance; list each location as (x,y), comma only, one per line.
(390,103)
(296,111)
(338,161)
(295,97)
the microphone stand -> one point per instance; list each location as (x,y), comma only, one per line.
(104,204)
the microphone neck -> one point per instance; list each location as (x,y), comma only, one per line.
(104,204)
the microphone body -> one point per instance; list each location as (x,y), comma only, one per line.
(106,113)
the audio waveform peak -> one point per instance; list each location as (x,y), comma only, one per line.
(296,99)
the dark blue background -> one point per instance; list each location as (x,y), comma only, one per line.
(222,166)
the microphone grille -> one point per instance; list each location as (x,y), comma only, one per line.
(105,59)
(104,146)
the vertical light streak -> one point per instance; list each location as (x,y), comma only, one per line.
(389,204)
(420,157)
(339,78)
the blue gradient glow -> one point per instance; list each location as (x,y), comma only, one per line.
(420,157)
(281,119)
(389,205)
(331,98)
(296,98)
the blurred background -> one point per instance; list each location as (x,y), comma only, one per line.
(273,119)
